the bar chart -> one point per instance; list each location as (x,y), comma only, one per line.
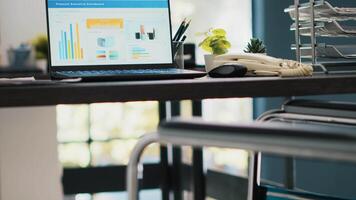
(143,35)
(70,45)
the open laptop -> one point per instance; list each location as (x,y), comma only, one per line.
(112,40)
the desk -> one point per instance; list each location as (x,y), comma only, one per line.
(166,90)
(79,93)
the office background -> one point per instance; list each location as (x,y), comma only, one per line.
(242,19)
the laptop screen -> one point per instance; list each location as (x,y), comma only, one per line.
(109,32)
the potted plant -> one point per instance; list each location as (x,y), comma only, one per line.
(255,46)
(215,43)
(40,45)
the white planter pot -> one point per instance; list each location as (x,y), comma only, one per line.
(209,62)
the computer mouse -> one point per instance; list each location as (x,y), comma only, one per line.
(228,71)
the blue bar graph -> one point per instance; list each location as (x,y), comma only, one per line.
(60,51)
(65,44)
(63,47)
(71,41)
(69,44)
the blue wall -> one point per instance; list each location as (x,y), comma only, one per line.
(271,24)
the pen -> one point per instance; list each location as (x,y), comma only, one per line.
(183,39)
(179,30)
(184,30)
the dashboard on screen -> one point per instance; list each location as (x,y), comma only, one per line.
(109,32)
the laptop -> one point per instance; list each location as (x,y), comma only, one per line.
(112,40)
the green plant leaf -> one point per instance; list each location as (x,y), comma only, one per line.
(219,32)
(226,43)
(205,45)
(219,51)
(219,47)
(216,42)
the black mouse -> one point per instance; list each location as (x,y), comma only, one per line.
(228,71)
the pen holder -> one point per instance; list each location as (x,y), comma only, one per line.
(178,52)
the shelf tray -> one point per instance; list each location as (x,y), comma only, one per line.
(324,11)
(330,51)
(327,29)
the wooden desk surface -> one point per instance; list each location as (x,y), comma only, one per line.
(197,89)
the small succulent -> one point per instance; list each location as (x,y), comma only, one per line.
(215,42)
(255,46)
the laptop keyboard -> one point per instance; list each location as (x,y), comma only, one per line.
(120,72)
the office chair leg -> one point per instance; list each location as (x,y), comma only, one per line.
(251,175)
(132,171)
(254,175)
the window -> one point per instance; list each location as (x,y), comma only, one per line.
(228,111)
(104,134)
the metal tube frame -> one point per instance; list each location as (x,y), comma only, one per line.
(313,39)
(338,150)
(313,35)
(297,31)
(254,171)
(132,168)
(290,175)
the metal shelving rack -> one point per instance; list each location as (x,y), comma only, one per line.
(304,15)
(298,44)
